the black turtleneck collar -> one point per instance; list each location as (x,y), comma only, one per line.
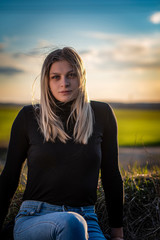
(63,108)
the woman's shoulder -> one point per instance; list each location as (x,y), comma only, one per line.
(28,112)
(100,106)
(28,109)
(103,111)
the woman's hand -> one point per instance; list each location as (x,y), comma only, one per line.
(117,233)
(117,238)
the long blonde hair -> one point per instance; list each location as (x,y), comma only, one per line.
(81,112)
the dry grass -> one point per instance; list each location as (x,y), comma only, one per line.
(141,207)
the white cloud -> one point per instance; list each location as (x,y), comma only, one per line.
(101,35)
(155,18)
(124,52)
(124,63)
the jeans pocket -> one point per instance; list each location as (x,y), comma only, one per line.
(25,212)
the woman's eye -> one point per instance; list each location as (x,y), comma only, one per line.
(55,77)
(72,75)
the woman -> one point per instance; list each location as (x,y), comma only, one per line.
(66,139)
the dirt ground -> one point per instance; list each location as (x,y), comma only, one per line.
(141,156)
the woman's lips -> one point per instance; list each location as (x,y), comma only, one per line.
(66,92)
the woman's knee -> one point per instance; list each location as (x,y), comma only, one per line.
(74,226)
(64,225)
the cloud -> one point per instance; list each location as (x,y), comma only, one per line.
(124,52)
(155,18)
(2,47)
(20,62)
(10,71)
(84,52)
(42,48)
(101,35)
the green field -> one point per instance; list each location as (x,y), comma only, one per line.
(7,116)
(138,127)
(135,127)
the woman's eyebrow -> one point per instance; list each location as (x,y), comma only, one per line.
(60,73)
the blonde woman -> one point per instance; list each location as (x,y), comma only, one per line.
(66,139)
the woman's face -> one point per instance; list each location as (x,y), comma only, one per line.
(63,81)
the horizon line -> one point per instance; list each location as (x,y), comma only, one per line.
(99,100)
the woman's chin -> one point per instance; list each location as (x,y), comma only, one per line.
(65,99)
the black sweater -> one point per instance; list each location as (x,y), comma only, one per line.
(61,173)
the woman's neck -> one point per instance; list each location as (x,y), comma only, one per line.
(63,109)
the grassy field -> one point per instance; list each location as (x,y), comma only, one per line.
(7,116)
(138,127)
(141,219)
(135,127)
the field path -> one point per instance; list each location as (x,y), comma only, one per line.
(141,155)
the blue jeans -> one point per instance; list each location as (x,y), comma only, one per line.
(42,221)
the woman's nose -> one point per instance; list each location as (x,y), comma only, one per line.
(65,82)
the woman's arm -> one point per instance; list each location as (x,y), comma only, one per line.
(110,174)
(16,155)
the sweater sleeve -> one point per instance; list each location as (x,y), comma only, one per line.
(110,174)
(16,155)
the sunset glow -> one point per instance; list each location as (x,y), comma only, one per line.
(120,47)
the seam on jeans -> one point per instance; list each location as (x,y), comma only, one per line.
(35,225)
(56,231)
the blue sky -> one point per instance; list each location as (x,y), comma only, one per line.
(118,40)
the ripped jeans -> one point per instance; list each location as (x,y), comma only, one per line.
(42,221)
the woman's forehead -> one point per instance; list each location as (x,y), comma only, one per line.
(61,67)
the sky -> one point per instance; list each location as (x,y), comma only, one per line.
(118,40)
